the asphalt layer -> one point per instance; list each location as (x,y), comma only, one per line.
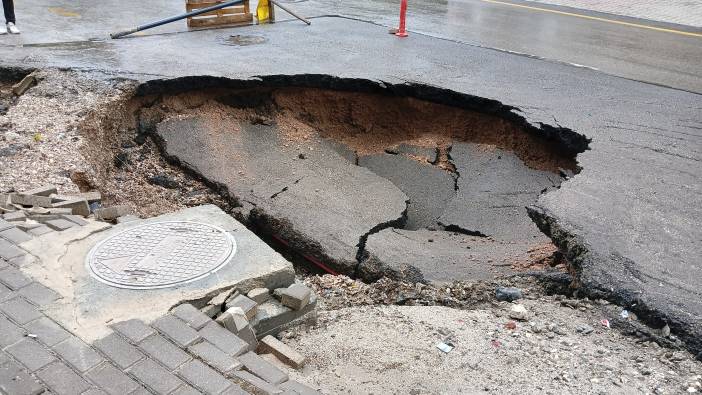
(629,220)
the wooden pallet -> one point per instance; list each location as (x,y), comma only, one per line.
(238,14)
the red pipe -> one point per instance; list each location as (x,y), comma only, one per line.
(401,31)
(309,258)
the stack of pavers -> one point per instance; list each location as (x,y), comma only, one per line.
(24,215)
(186,347)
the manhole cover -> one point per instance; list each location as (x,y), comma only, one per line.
(161,254)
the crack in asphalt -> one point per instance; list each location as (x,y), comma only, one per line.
(361,253)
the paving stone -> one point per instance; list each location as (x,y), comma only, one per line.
(294,387)
(25,226)
(44,190)
(40,230)
(47,331)
(79,206)
(203,377)
(245,304)
(186,390)
(118,350)
(14,278)
(15,235)
(6,293)
(112,380)
(78,354)
(30,354)
(164,351)
(20,311)
(296,296)
(39,294)
(223,339)
(43,218)
(60,224)
(272,316)
(30,200)
(134,330)
(62,380)
(254,384)
(234,320)
(14,216)
(215,357)
(155,376)
(9,250)
(282,351)
(177,330)
(262,368)
(77,219)
(9,332)
(92,196)
(191,315)
(112,213)
(15,381)
(259,295)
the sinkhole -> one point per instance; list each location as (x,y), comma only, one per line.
(364,178)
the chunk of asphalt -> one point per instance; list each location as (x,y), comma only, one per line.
(316,214)
(428,187)
(494,188)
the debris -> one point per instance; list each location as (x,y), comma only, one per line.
(511,325)
(584,329)
(235,321)
(112,213)
(296,296)
(445,347)
(518,312)
(605,323)
(508,294)
(78,205)
(282,351)
(247,305)
(21,87)
(624,314)
(259,295)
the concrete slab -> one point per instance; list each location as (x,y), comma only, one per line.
(299,200)
(88,304)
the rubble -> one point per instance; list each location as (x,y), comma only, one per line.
(508,294)
(282,351)
(296,296)
(259,295)
(247,306)
(79,206)
(112,213)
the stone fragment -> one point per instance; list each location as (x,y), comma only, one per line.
(78,206)
(508,294)
(234,320)
(296,296)
(30,200)
(262,368)
(518,312)
(44,190)
(60,224)
(15,235)
(112,213)
(23,86)
(282,351)
(247,305)
(272,317)
(15,216)
(254,384)
(259,295)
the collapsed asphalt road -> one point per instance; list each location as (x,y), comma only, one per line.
(370,184)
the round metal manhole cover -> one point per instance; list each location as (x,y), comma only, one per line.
(161,254)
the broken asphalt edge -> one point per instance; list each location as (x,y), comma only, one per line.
(590,280)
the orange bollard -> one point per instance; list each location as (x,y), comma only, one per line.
(401,31)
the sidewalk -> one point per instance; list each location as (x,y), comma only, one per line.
(682,12)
